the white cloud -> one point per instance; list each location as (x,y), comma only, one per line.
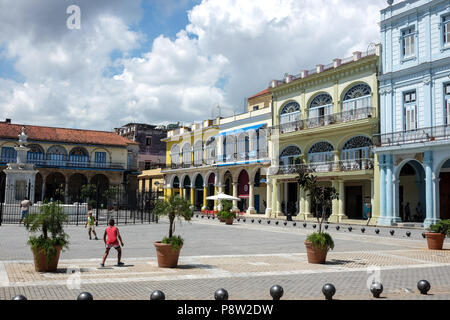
(240,44)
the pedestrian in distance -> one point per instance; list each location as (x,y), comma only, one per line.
(407,212)
(111,238)
(25,205)
(91,223)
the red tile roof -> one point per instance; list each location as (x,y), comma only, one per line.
(260,93)
(75,136)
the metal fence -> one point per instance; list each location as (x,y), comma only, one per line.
(124,207)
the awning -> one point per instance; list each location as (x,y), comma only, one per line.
(255,127)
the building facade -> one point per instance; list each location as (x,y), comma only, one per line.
(67,159)
(327,117)
(413,148)
(152,150)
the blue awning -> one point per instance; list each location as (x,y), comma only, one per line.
(255,127)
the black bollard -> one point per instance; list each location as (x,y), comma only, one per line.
(423,235)
(203,216)
(276,292)
(196,215)
(238,219)
(85,296)
(259,221)
(276,222)
(350,229)
(337,228)
(376,288)
(244,220)
(328,291)
(392,232)
(408,234)
(157,295)
(314,226)
(377,231)
(19,297)
(285,223)
(326,227)
(268,221)
(423,286)
(294,224)
(304,225)
(253,220)
(209,217)
(221,294)
(363,230)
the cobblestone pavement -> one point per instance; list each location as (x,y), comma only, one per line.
(246,259)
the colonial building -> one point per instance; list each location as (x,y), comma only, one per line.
(66,159)
(327,116)
(152,150)
(414,145)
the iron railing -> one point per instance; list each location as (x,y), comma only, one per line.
(341,165)
(52,163)
(438,133)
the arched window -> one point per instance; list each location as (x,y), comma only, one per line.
(56,156)
(187,155)
(320,107)
(359,147)
(211,150)
(357,97)
(289,154)
(78,156)
(35,154)
(320,155)
(198,153)
(175,155)
(230,148)
(243,146)
(290,113)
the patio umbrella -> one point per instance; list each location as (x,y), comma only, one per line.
(222,196)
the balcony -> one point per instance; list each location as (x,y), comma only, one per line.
(439,133)
(52,163)
(341,117)
(331,166)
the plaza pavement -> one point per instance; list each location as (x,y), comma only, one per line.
(245,258)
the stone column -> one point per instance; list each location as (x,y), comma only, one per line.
(429,186)
(301,210)
(235,194)
(341,204)
(389,191)
(336,158)
(251,200)
(381,219)
(335,203)
(192,196)
(216,192)
(268,212)
(278,200)
(307,212)
(66,190)
(205,193)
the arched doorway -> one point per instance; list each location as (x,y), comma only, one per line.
(187,187)
(55,185)
(102,184)
(76,182)
(243,190)
(198,196)
(444,191)
(228,183)
(411,192)
(176,186)
(211,190)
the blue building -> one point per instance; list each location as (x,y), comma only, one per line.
(413,148)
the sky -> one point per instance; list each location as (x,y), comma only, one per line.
(164,61)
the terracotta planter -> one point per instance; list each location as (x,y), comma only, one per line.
(40,260)
(315,255)
(167,258)
(435,240)
(222,220)
(229,221)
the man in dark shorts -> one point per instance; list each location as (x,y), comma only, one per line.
(24,208)
(111,238)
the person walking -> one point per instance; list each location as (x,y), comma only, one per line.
(25,205)
(91,223)
(111,238)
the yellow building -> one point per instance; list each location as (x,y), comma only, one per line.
(327,116)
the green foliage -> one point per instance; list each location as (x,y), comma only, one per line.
(50,222)
(226,215)
(442,226)
(227,205)
(111,192)
(176,242)
(321,240)
(174,207)
(88,191)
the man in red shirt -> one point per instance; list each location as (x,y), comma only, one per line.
(111,238)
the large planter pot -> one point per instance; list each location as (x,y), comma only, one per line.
(167,258)
(435,240)
(40,260)
(229,221)
(315,255)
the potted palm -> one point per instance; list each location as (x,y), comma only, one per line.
(227,216)
(227,205)
(318,243)
(47,247)
(168,250)
(436,236)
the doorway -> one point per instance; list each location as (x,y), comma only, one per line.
(354,202)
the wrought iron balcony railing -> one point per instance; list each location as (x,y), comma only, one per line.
(439,133)
(341,117)
(51,163)
(342,165)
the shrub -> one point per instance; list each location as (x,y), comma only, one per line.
(226,215)
(442,226)
(176,242)
(321,240)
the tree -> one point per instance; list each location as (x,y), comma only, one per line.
(174,207)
